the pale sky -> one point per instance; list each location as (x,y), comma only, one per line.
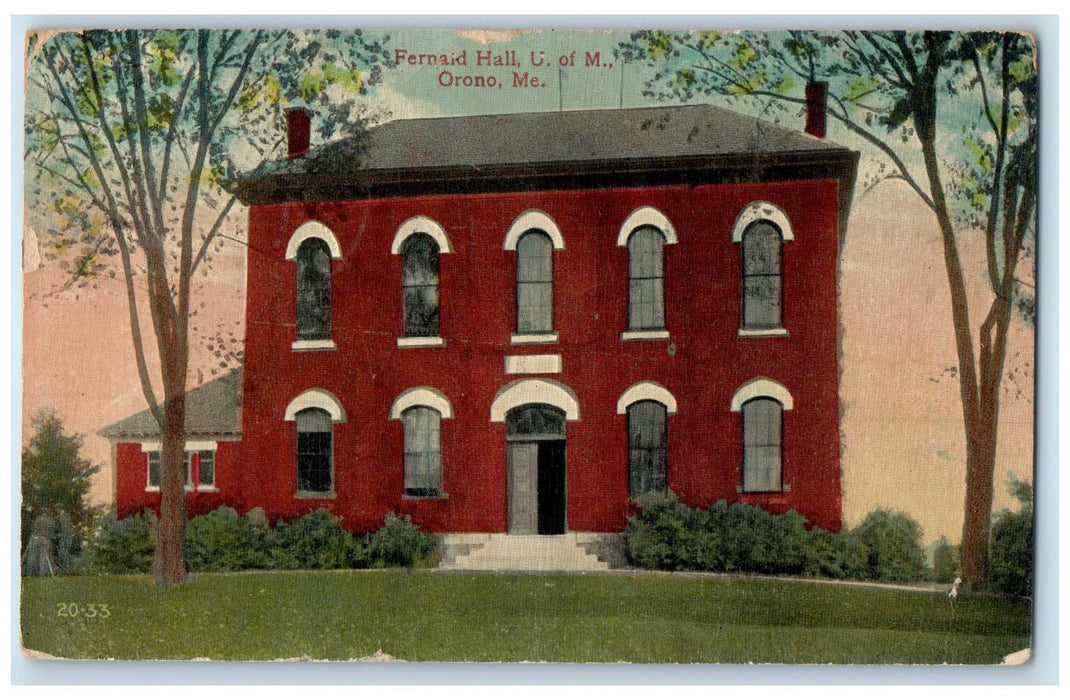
(903,442)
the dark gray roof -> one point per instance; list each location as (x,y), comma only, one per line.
(211,409)
(480,153)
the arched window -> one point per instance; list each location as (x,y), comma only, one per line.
(313,290)
(762,419)
(648,448)
(423,452)
(314,451)
(761,276)
(646,299)
(420,286)
(534,283)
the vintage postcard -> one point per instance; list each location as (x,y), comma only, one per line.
(646,346)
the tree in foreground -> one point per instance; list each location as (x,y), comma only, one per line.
(132,137)
(966,103)
(56,515)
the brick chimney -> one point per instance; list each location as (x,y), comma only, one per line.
(815,109)
(299,128)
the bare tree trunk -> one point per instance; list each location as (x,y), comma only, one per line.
(170,564)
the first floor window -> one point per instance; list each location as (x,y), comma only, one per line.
(314,451)
(762,445)
(648,448)
(423,452)
(199,466)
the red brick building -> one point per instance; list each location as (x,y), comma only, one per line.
(519,323)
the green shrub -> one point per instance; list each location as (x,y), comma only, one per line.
(1010,560)
(662,535)
(893,547)
(224,541)
(667,535)
(313,541)
(398,543)
(945,561)
(834,555)
(124,546)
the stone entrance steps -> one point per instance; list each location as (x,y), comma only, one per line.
(574,551)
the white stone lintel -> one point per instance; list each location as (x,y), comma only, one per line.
(533,364)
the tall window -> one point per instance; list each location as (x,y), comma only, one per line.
(534,283)
(420,282)
(423,452)
(762,445)
(313,290)
(646,300)
(761,276)
(198,462)
(314,451)
(648,448)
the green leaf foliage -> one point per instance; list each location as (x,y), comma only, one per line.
(893,546)
(740,538)
(56,479)
(1011,548)
(124,546)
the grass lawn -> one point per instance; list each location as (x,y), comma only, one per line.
(430,616)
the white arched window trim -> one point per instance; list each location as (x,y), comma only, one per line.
(312,229)
(534,219)
(525,391)
(421,224)
(646,216)
(421,396)
(762,211)
(317,398)
(646,391)
(760,387)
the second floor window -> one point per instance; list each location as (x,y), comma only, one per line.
(761,276)
(420,286)
(534,283)
(313,290)
(646,297)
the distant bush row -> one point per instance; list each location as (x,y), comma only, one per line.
(225,541)
(668,535)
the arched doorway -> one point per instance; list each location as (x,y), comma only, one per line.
(535,435)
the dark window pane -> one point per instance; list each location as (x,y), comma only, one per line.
(420,282)
(761,276)
(648,449)
(534,283)
(535,419)
(314,447)
(423,451)
(762,445)
(313,290)
(646,303)
(154,469)
(207,468)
